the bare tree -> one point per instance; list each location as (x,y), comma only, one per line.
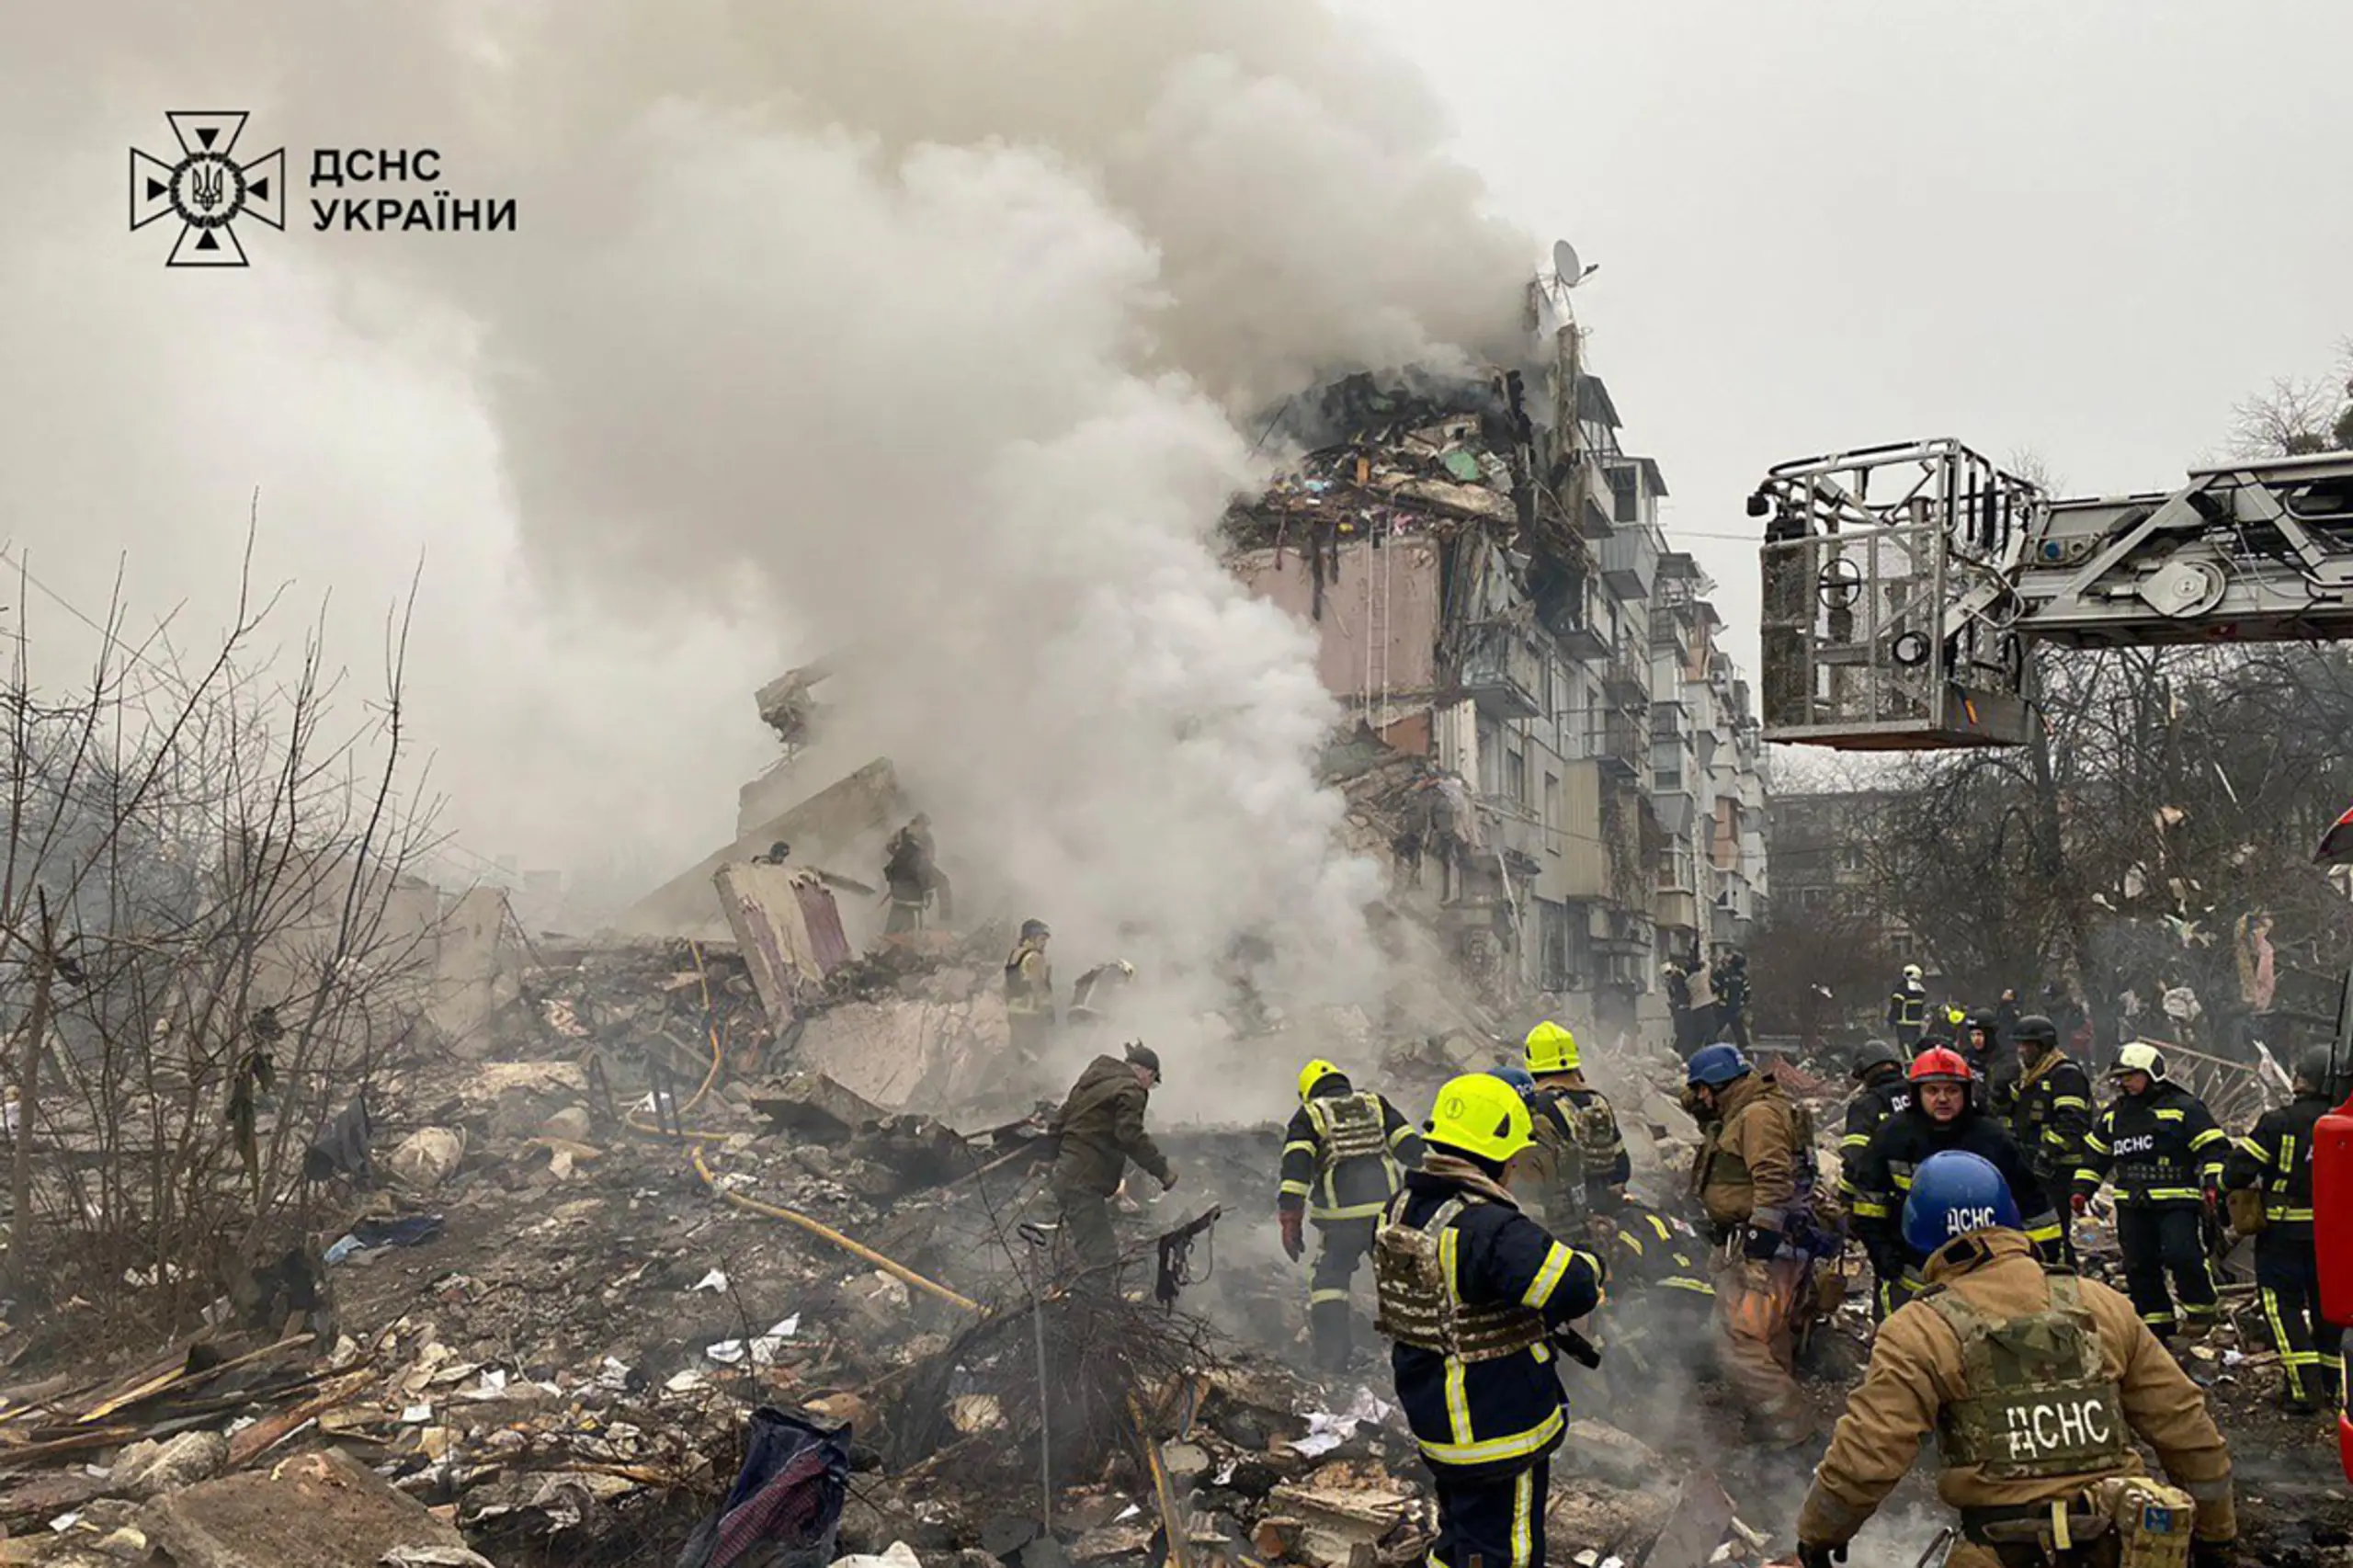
(209,941)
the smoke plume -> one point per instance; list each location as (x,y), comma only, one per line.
(936,328)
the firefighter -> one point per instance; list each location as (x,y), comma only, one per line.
(1029,993)
(1578,1168)
(1942,1116)
(1096,994)
(1470,1291)
(2049,1108)
(1907,1009)
(1980,1044)
(2036,1383)
(1747,1180)
(2165,1153)
(911,870)
(1882,1091)
(2272,1165)
(1099,1129)
(1661,1308)
(1341,1159)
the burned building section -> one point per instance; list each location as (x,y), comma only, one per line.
(1498,612)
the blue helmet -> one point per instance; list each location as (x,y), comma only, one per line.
(1517,1077)
(1716,1065)
(1952,1194)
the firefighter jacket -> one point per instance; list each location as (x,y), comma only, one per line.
(2049,1110)
(1579,1155)
(1746,1172)
(2015,1444)
(1871,1106)
(1342,1152)
(2276,1159)
(1101,1129)
(1029,982)
(1884,1179)
(1649,1251)
(1472,1354)
(1907,1009)
(2161,1148)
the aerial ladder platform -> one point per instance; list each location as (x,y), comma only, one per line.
(1903,583)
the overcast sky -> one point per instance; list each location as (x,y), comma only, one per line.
(2085,229)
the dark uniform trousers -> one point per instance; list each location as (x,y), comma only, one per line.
(1086,1221)
(1343,1244)
(2287,1275)
(1493,1522)
(2162,1239)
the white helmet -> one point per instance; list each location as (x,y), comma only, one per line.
(1911,972)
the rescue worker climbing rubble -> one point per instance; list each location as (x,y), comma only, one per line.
(2273,1166)
(1099,1129)
(1942,1116)
(1746,1177)
(1661,1308)
(2162,1146)
(2035,1383)
(1470,1291)
(1029,993)
(1342,1158)
(1578,1168)
(2049,1106)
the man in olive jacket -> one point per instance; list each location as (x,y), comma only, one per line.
(1100,1127)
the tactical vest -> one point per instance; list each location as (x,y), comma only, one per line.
(1020,997)
(1575,1138)
(1347,1127)
(2040,1404)
(1413,1273)
(1801,1133)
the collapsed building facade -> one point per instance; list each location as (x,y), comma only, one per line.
(1492,595)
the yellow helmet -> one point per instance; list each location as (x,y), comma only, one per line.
(1552,1049)
(1313,1074)
(1480,1114)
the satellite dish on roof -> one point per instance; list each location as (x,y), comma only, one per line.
(1568,271)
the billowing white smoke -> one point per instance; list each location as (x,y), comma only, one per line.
(937,327)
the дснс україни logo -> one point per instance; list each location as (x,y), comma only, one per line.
(208,190)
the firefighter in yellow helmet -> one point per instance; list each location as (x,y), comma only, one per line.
(1471,1291)
(1342,1155)
(1578,1168)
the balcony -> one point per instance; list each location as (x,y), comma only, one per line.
(1619,741)
(1592,520)
(1630,563)
(1626,682)
(1503,670)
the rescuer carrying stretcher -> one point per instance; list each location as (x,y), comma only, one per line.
(2035,1383)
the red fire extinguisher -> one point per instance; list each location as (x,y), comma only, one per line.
(2333,1159)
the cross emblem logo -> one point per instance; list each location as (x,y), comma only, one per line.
(207,189)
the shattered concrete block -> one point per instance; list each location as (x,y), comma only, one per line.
(150,1469)
(1340,1510)
(569,1125)
(426,1157)
(909,1055)
(814,1104)
(318,1511)
(1597,1449)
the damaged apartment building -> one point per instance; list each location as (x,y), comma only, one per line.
(1494,597)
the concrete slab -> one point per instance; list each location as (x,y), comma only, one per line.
(857,810)
(786,927)
(321,1510)
(923,1056)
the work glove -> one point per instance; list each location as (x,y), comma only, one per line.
(2213,1199)
(2081,1203)
(1294,1243)
(1168,1181)
(1760,1244)
(1815,1556)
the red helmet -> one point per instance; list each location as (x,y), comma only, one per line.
(1939,1065)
